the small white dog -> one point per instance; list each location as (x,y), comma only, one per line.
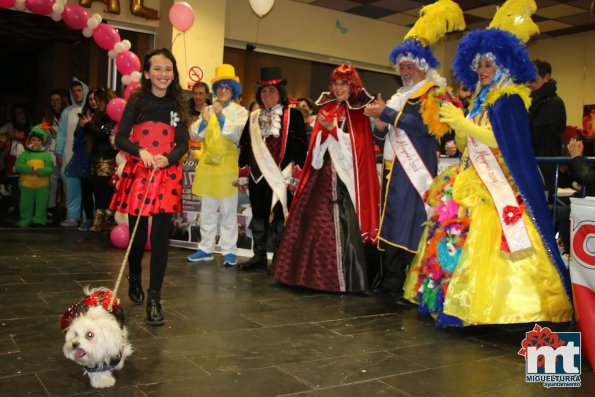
(95,337)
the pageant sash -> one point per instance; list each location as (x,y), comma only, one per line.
(411,161)
(342,157)
(268,166)
(509,213)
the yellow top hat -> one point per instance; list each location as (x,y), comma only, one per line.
(225,72)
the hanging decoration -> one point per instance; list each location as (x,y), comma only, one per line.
(261,7)
(113,6)
(181,16)
(138,8)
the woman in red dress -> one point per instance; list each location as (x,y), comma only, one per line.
(153,132)
(335,210)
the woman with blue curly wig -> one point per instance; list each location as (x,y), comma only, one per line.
(510,269)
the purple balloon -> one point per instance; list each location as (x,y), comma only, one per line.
(106,36)
(75,16)
(115,108)
(120,236)
(127,62)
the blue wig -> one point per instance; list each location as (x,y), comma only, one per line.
(235,87)
(416,49)
(510,52)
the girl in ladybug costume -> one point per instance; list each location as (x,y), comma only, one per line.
(153,132)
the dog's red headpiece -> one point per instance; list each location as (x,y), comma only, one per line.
(100,297)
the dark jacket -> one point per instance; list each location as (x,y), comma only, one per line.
(584,173)
(548,120)
(98,133)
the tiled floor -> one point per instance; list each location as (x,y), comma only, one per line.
(233,333)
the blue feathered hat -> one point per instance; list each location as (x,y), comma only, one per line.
(505,40)
(413,48)
(435,20)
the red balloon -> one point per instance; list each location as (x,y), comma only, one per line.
(127,62)
(130,89)
(181,16)
(106,36)
(75,16)
(120,236)
(7,3)
(115,108)
(41,7)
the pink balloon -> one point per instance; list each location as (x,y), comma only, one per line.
(181,15)
(106,36)
(115,108)
(75,16)
(130,89)
(127,62)
(41,7)
(120,236)
(7,3)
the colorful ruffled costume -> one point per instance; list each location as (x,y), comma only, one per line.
(497,280)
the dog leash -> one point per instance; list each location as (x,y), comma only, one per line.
(142,206)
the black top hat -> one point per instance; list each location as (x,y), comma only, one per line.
(271,75)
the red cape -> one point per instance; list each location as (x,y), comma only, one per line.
(366,179)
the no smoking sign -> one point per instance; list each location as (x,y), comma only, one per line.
(195,74)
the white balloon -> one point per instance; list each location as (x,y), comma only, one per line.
(135,76)
(97,17)
(112,54)
(87,32)
(126,79)
(118,47)
(58,8)
(56,16)
(261,7)
(126,44)
(121,218)
(92,23)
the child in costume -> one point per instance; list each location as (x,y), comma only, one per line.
(153,132)
(219,129)
(35,165)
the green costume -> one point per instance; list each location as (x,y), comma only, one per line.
(34,165)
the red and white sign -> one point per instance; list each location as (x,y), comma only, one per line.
(582,270)
(195,74)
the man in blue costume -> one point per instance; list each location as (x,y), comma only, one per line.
(410,161)
(410,135)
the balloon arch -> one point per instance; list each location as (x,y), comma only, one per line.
(75,16)
(105,36)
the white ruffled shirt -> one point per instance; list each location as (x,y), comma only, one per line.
(270,121)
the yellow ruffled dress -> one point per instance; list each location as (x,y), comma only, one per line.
(488,286)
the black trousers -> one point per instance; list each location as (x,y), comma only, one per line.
(266,231)
(160,229)
(395,264)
